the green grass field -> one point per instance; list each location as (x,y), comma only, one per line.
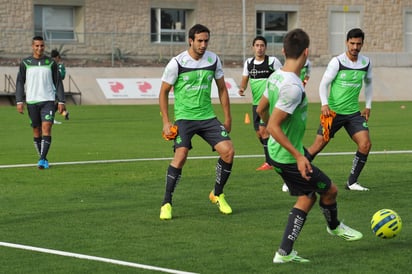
(111,209)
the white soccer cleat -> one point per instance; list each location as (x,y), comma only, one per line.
(345,232)
(292,257)
(356,186)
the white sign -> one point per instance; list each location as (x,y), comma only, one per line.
(148,88)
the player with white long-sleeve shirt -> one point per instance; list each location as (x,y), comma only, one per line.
(346,74)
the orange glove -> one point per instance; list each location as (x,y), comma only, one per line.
(326,122)
(172,135)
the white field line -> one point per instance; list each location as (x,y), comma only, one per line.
(193,157)
(92,258)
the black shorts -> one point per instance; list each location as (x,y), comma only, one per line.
(256,119)
(353,123)
(211,130)
(319,181)
(41,112)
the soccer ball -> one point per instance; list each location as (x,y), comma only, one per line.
(386,223)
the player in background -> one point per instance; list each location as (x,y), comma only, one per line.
(256,70)
(55,54)
(284,107)
(305,72)
(39,82)
(191,75)
(345,74)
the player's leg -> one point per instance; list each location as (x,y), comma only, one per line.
(224,164)
(215,134)
(36,124)
(47,111)
(263,136)
(223,171)
(317,146)
(174,170)
(306,198)
(37,140)
(334,227)
(174,173)
(359,132)
(296,220)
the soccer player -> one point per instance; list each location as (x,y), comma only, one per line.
(55,54)
(39,76)
(345,74)
(190,74)
(284,107)
(304,76)
(256,70)
(305,72)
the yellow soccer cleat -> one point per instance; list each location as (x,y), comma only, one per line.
(166,212)
(221,203)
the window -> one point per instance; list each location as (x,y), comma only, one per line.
(273,25)
(54,22)
(168,25)
(408,31)
(340,22)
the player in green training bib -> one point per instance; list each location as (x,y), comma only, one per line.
(346,75)
(256,71)
(284,109)
(191,75)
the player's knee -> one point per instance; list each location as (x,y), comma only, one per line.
(227,153)
(330,196)
(365,147)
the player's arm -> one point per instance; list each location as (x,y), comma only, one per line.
(243,85)
(20,82)
(245,78)
(58,83)
(327,78)
(224,102)
(368,94)
(164,106)
(274,127)
(263,109)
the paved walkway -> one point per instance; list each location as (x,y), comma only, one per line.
(390,83)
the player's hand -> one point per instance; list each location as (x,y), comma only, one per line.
(241,92)
(304,167)
(20,108)
(228,126)
(61,108)
(366,113)
(170,132)
(325,110)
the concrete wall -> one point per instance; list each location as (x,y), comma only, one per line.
(390,84)
(125,24)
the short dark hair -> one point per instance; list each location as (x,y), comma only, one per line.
(295,42)
(259,38)
(54,53)
(198,28)
(38,38)
(355,33)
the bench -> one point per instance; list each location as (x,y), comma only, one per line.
(10,96)
(9,91)
(73,93)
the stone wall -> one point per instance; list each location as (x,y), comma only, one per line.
(124,25)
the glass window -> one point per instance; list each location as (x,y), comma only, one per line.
(54,22)
(168,25)
(273,25)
